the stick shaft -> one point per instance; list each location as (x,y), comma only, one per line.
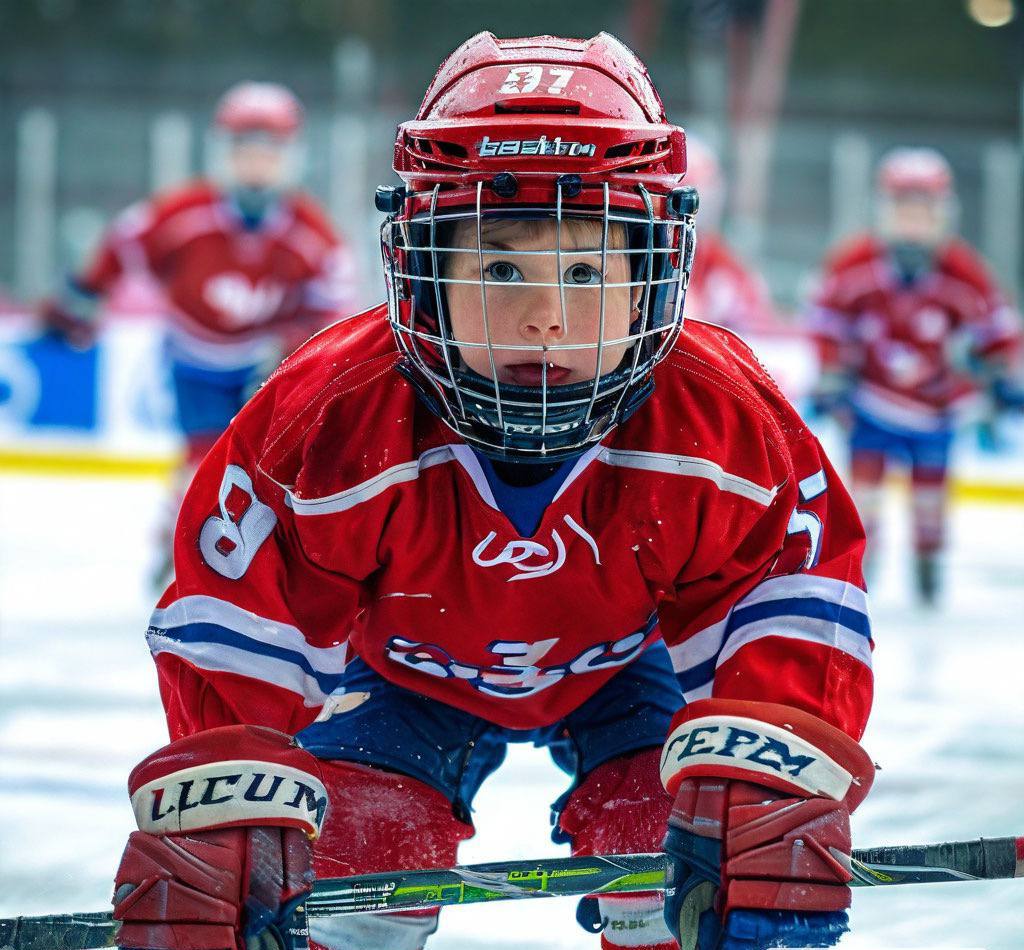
(984,859)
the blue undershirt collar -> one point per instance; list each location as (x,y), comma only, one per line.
(524,505)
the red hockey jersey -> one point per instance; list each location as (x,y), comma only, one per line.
(235,295)
(337,516)
(908,347)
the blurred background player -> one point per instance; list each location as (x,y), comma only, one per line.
(722,290)
(248,265)
(913,331)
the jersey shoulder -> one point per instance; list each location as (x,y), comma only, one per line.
(714,399)
(149,215)
(959,260)
(193,194)
(854,252)
(325,399)
(733,366)
(312,214)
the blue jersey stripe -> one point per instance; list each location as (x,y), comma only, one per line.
(697,675)
(214,634)
(811,607)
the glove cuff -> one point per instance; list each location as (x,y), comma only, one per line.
(227,777)
(777,746)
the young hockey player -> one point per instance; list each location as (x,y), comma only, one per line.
(249,268)
(912,326)
(722,290)
(530,509)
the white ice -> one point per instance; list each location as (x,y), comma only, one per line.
(79,707)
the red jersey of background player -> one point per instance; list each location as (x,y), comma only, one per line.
(335,535)
(722,289)
(907,343)
(235,293)
(724,292)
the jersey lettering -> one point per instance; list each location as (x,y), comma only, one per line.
(229,543)
(806,522)
(519,673)
(518,552)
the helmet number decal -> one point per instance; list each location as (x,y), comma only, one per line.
(229,543)
(523,79)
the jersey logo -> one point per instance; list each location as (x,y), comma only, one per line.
(518,673)
(521,552)
(229,543)
(239,302)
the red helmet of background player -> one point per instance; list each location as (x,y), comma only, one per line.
(537,128)
(259,107)
(915,170)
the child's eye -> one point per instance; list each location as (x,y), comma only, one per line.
(503,272)
(582,274)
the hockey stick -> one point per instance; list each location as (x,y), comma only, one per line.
(984,859)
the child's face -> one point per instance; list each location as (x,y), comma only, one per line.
(259,161)
(533,316)
(915,219)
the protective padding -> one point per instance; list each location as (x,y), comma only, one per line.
(382,821)
(620,807)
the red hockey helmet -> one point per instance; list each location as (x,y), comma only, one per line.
(915,170)
(259,107)
(569,136)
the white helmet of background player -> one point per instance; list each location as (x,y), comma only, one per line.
(257,148)
(916,203)
(704,172)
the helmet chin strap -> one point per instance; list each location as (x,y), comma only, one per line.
(253,203)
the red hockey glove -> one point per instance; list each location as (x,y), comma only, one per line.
(224,854)
(761,821)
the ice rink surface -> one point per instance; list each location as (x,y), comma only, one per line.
(79,707)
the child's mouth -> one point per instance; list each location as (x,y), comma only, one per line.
(533,374)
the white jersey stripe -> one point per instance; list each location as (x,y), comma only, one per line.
(396,475)
(217,657)
(705,644)
(692,466)
(813,485)
(463,454)
(799,628)
(700,692)
(201,609)
(700,648)
(790,586)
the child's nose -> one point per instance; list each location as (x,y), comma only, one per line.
(543,318)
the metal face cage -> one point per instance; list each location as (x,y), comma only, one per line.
(595,366)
